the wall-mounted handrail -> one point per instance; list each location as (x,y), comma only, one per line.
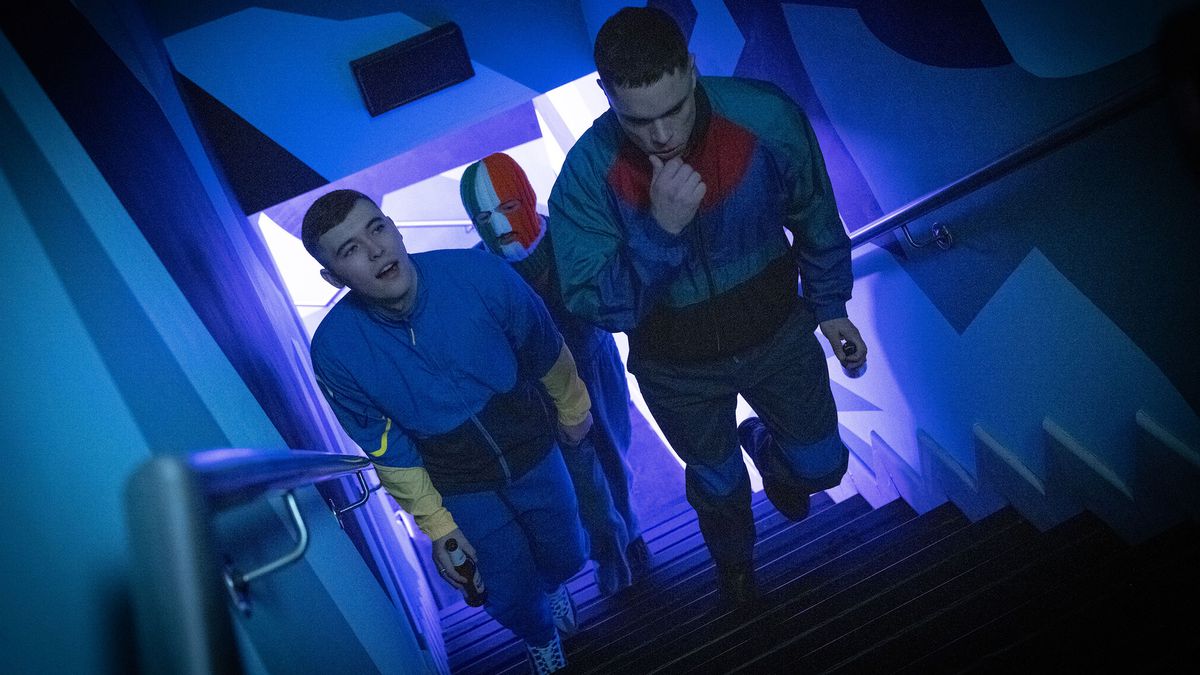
(1054,139)
(184,624)
(230,476)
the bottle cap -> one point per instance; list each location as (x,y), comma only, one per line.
(457,557)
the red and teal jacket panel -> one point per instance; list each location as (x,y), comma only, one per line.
(729,279)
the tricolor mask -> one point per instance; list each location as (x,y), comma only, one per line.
(502,206)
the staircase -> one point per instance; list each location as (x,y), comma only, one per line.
(859,589)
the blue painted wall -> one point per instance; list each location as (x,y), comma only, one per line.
(119,231)
(1072,285)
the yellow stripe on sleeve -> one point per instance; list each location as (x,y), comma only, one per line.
(383,441)
(564,386)
(412,489)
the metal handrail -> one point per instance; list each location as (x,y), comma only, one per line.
(230,476)
(1052,140)
(170,504)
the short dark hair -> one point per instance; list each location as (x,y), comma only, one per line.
(637,46)
(326,213)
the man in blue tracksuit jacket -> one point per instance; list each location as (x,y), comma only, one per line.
(435,365)
(669,222)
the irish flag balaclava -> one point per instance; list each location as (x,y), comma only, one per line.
(502,206)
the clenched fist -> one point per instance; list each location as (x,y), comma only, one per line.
(675,193)
(573,435)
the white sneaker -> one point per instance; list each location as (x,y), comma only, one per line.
(546,659)
(562,608)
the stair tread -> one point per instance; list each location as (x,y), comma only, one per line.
(856,589)
(777,562)
(956,606)
(818,614)
(662,540)
(678,556)
(1137,611)
(1084,558)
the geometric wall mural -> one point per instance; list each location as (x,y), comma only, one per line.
(905,98)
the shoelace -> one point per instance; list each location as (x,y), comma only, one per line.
(560,603)
(549,658)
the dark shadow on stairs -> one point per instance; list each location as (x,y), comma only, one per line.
(852,589)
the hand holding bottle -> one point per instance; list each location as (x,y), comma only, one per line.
(441,557)
(850,349)
(455,560)
(847,343)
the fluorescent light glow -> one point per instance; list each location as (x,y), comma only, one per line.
(577,110)
(432,223)
(555,154)
(300,272)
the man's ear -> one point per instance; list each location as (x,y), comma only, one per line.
(333,279)
(607,95)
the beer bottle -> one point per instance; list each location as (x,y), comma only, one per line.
(473,591)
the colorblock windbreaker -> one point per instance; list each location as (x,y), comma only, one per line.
(729,279)
(456,386)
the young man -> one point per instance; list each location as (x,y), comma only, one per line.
(432,364)
(503,208)
(669,222)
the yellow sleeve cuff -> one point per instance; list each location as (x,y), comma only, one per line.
(412,489)
(564,386)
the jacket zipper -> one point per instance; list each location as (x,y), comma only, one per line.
(475,420)
(712,287)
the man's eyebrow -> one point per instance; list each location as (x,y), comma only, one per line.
(369,224)
(670,110)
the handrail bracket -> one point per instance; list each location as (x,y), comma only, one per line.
(238,585)
(941,237)
(366,494)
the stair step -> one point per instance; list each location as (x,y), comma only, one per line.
(834,609)
(964,603)
(693,578)
(779,559)
(719,644)
(695,574)
(1070,585)
(790,603)
(851,589)
(679,558)
(1140,613)
(896,597)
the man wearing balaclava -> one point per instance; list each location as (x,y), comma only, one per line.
(503,208)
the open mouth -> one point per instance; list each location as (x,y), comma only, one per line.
(388,270)
(507,238)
